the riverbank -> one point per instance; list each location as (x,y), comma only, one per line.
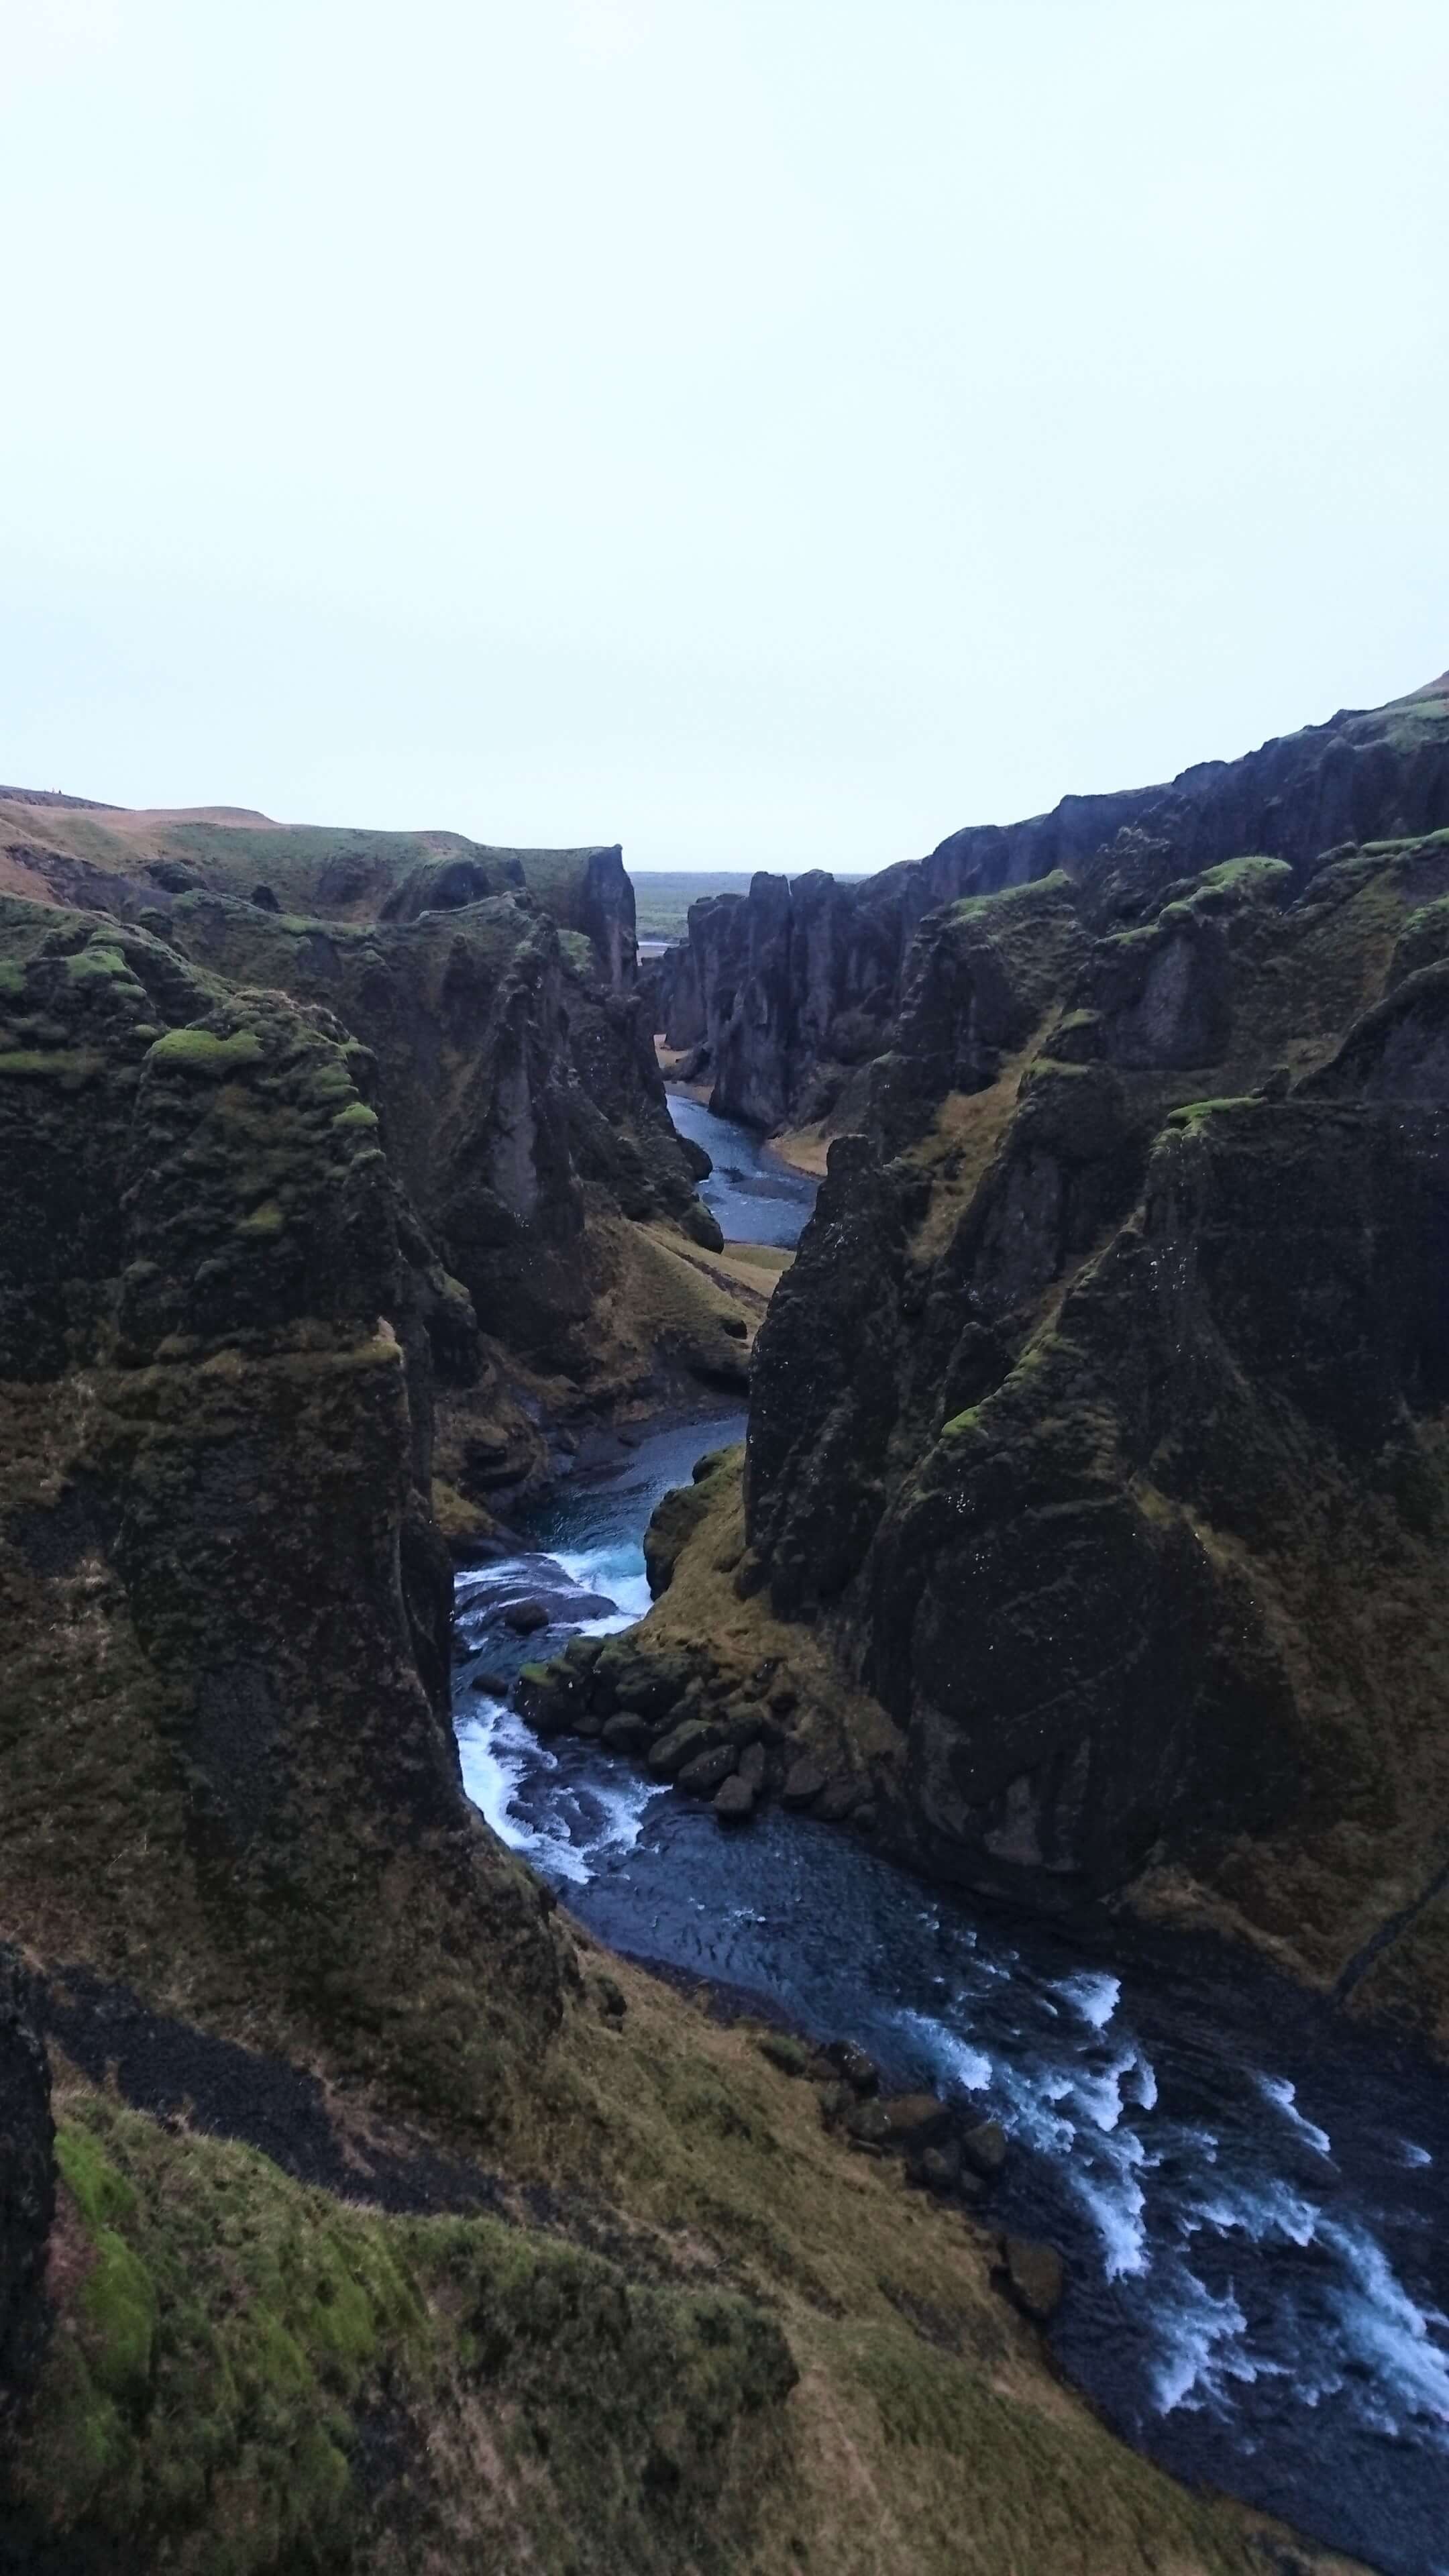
(1243,2189)
(804,1149)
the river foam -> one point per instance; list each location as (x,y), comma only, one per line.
(1258,2290)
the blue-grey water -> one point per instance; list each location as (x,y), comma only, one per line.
(752,1191)
(1251,2194)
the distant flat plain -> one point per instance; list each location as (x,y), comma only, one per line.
(662,896)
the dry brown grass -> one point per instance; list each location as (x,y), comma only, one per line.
(805,1149)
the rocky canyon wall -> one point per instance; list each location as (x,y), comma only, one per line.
(1099,1429)
(781,994)
(495,993)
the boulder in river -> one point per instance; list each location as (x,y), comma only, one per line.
(735,1801)
(906,2122)
(803,1782)
(860,2072)
(706,1772)
(1033,2276)
(551,1697)
(626,1732)
(985,2149)
(753,1765)
(938,2169)
(683,1745)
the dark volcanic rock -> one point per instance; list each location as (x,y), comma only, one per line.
(217,1370)
(860,2072)
(1034,2276)
(705,1772)
(803,1783)
(735,1801)
(627,1734)
(510,1083)
(27,2187)
(785,990)
(909,2121)
(985,2149)
(692,1741)
(1103,1440)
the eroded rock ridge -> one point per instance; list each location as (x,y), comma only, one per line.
(781,995)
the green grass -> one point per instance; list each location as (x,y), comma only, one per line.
(70,1067)
(1192,1112)
(227,2335)
(197,1051)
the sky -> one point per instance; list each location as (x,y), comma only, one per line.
(763,432)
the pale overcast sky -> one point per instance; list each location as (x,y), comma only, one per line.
(765,432)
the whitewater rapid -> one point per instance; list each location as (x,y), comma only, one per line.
(1251,2193)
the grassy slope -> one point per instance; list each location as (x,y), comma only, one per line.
(333,872)
(778,2359)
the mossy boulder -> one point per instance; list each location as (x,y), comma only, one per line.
(632,1676)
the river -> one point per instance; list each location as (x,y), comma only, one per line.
(752,1191)
(1251,2194)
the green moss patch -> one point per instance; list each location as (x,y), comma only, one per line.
(1193,1112)
(197,1051)
(69,1066)
(227,2337)
(268,1219)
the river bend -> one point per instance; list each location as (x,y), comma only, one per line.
(1252,2195)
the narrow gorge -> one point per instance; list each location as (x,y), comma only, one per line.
(726,1793)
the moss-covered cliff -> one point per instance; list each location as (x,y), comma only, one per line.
(72,850)
(366,2221)
(224,1604)
(512,1069)
(785,993)
(1098,1430)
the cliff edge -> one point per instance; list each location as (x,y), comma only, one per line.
(780,996)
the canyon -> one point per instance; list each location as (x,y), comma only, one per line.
(1095,1464)
(1081,1553)
(781,997)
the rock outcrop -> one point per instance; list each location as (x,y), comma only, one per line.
(781,994)
(224,1602)
(27,2191)
(514,1074)
(511,1083)
(72,850)
(1099,1428)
